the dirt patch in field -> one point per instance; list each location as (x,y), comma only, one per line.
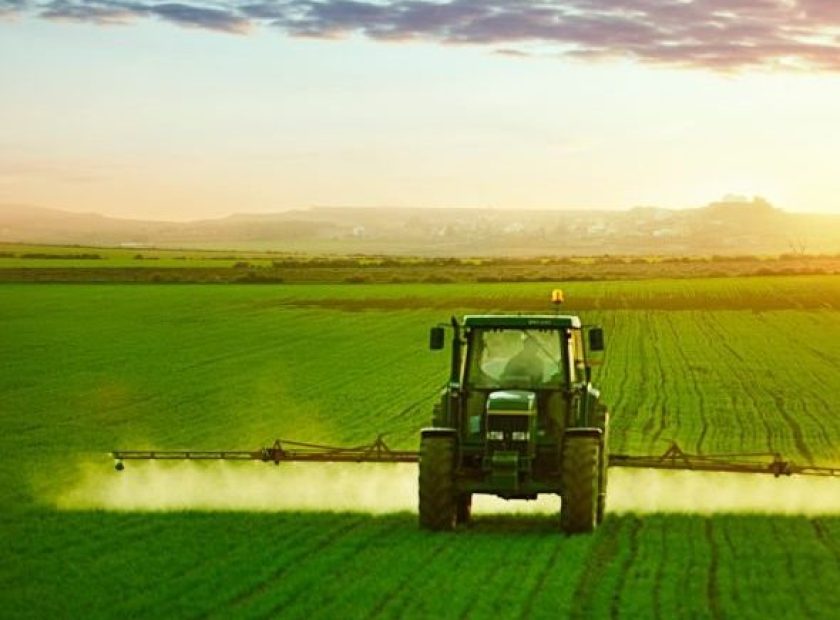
(393,488)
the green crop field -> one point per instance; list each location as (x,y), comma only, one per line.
(77,264)
(718,365)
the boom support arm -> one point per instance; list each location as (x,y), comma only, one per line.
(673,458)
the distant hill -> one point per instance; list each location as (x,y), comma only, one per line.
(729,227)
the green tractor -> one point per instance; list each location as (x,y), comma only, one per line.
(519,417)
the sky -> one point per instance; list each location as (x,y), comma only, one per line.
(193,109)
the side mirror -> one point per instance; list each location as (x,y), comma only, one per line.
(437,336)
(596,339)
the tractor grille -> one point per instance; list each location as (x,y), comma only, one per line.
(507,430)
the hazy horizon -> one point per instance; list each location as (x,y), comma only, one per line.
(201,110)
(173,217)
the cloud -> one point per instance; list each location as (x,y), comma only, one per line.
(201,17)
(12,7)
(95,12)
(724,35)
(104,12)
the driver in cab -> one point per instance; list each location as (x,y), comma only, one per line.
(528,363)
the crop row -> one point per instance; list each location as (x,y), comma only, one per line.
(724,382)
(357,566)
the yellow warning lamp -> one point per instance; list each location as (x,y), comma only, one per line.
(557,297)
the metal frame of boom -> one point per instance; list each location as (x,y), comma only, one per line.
(674,458)
(282,450)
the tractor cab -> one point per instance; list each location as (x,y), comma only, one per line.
(513,374)
(518,399)
(515,357)
(536,362)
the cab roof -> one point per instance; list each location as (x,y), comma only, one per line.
(519,321)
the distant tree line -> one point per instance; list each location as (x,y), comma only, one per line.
(82,256)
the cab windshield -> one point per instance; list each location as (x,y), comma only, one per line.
(515,358)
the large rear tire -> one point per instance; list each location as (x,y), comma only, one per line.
(601,510)
(464,508)
(581,482)
(437,498)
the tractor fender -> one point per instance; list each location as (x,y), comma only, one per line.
(583,431)
(438,431)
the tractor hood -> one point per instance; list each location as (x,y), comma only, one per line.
(512,402)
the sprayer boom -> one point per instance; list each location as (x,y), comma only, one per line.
(746,463)
(281,451)
(673,458)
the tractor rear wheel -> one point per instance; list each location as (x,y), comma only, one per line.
(604,465)
(464,508)
(437,506)
(581,482)
(602,499)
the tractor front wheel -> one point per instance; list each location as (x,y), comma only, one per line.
(438,505)
(581,477)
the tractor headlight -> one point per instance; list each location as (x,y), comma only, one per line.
(520,436)
(495,435)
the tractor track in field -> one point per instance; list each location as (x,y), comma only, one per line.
(539,582)
(732,548)
(645,380)
(618,403)
(342,555)
(699,403)
(721,336)
(277,608)
(825,539)
(296,537)
(459,561)
(793,425)
(768,430)
(103,545)
(743,439)
(400,586)
(802,601)
(231,556)
(745,380)
(819,428)
(607,549)
(656,594)
(712,590)
(831,360)
(815,424)
(264,584)
(660,398)
(459,558)
(723,340)
(626,566)
(610,538)
(187,581)
(487,578)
